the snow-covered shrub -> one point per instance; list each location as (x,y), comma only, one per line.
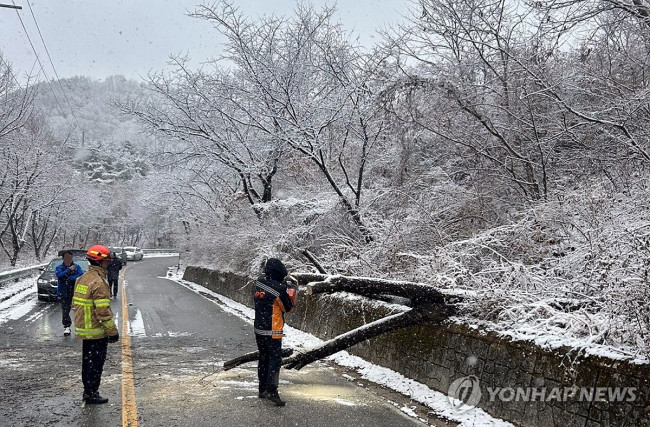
(576,268)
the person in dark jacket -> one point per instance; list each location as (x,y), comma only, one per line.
(67,273)
(114,274)
(271,302)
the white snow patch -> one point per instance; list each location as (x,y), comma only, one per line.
(161,255)
(549,341)
(136,326)
(20,300)
(21,310)
(10,291)
(349,377)
(419,392)
(244,384)
(179,334)
(409,411)
(344,402)
(10,364)
(38,314)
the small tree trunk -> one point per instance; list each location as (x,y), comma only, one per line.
(314,261)
(251,357)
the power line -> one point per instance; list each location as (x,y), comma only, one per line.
(58,79)
(38,59)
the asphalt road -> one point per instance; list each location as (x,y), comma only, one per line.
(178,340)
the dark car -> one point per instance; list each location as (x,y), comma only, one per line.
(47,281)
(120,253)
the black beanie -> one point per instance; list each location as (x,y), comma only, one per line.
(275,270)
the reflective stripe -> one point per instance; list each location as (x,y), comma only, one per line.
(102,302)
(268,289)
(267,333)
(82,289)
(109,324)
(96,332)
(82,301)
(87,317)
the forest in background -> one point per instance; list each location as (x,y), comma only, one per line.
(498,147)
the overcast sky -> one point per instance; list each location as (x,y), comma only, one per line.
(99,38)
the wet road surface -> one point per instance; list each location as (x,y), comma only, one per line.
(178,341)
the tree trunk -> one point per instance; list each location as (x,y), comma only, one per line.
(416,292)
(314,261)
(250,357)
(415,316)
(299,359)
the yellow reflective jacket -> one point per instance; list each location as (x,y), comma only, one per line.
(93,317)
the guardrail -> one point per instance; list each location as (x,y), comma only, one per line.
(160,251)
(13,275)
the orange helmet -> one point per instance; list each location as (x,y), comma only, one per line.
(99,253)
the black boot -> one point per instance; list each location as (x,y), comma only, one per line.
(263,394)
(275,398)
(96,399)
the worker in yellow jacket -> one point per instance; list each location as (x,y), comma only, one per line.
(93,321)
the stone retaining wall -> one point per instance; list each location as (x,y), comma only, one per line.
(438,355)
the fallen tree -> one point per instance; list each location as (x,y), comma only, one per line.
(250,357)
(413,317)
(298,358)
(418,293)
(429,305)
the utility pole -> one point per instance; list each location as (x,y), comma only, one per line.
(10,6)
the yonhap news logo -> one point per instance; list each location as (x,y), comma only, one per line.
(465,393)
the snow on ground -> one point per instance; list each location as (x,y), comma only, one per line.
(17,299)
(136,326)
(161,255)
(419,392)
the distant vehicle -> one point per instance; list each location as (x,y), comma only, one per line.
(133,253)
(47,281)
(121,253)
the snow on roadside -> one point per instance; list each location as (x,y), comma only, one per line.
(438,402)
(14,288)
(18,299)
(161,255)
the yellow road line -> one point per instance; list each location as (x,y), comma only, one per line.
(129,408)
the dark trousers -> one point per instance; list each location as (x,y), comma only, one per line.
(112,284)
(66,305)
(92,363)
(268,367)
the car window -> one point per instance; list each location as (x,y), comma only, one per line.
(84,264)
(53,264)
(129,248)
